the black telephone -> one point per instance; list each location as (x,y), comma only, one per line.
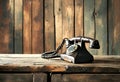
(76,51)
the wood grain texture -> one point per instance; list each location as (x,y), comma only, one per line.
(58,21)
(114,27)
(68,18)
(34,26)
(40,77)
(27,30)
(85,78)
(34,63)
(79,30)
(49,26)
(11,26)
(16,78)
(18,26)
(101,25)
(110,25)
(37,26)
(89,18)
(89,22)
(6,26)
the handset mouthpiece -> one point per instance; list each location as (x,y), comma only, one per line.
(94,44)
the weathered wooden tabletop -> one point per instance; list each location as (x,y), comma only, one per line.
(34,63)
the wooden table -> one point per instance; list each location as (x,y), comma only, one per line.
(32,68)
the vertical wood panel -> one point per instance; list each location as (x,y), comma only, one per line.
(49,26)
(6,26)
(58,21)
(68,18)
(110,25)
(101,25)
(89,30)
(79,18)
(11,26)
(89,18)
(114,27)
(18,26)
(37,26)
(27,26)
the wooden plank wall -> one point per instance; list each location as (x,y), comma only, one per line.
(114,26)
(35,26)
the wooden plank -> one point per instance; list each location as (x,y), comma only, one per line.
(79,18)
(89,18)
(40,77)
(58,21)
(16,78)
(6,26)
(11,26)
(85,78)
(114,27)
(27,30)
(34,63)
(49,26)
(110,25)
(37,26)
(101,25)
(89,26)
(39,56)
(68,18)
(18,26)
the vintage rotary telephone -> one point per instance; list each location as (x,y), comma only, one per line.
(76,51)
